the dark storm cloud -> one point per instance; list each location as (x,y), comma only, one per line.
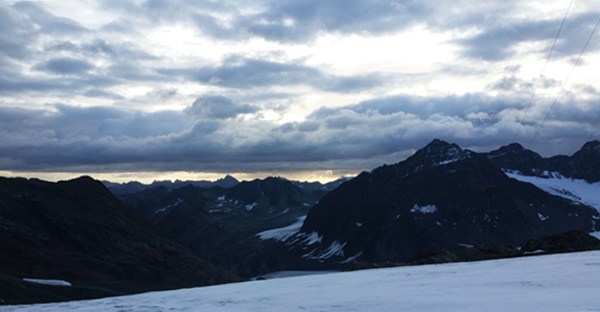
(357,136)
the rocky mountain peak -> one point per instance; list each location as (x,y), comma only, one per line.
(591,147)
(227,182)
(512,147)
(439,152)
(515,157)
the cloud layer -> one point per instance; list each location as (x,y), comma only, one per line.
(287,85)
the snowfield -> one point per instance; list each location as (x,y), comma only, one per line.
(563,282)
(575,190)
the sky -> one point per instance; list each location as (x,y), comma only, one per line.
(310,90)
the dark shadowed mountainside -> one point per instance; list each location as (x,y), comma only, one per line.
(440,198)
(220,224)
(77,231)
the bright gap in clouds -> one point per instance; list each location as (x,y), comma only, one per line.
(414,50)
(148,177)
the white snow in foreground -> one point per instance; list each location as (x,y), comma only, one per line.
(48,282)
(425,209)
(575,190)
(286,274)
(282,233)
(596,234)
(562,282)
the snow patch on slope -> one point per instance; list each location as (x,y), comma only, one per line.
(249,207)
(179,201)
(48,282)
(335,249)
(542,217)
(351,259)
(282,233)
(424,209)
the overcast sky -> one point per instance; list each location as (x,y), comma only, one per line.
(310,89)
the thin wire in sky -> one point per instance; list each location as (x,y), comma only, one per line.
(562,89)
(537,82)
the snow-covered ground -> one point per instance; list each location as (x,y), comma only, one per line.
(572,189)
(563,282)
(286,274)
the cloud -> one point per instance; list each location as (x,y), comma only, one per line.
(205,137)
(500,42)
(245,73)
(220,107)
(65,66)
(296,21)
(283,21)
(236,64)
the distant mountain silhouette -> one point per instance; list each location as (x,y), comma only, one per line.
(134,186)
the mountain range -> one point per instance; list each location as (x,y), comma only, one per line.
(444,197)
(439,204)
(219,224)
